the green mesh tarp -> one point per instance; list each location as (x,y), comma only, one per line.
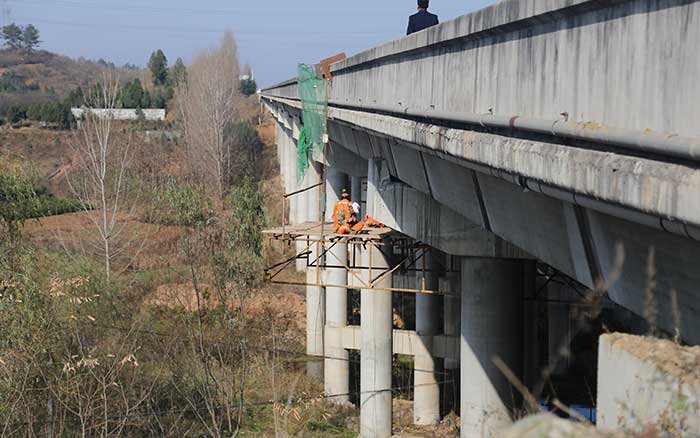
(312,92)
(302,155)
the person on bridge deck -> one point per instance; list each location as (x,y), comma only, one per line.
(344,216)
(422,19)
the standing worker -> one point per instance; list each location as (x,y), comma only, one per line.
(422,19)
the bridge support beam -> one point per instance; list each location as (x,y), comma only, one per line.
(376,337)
(315,317)
(426,393)
(376,352)
(336,363)
(559,328)
(336,181)
(315,295)
(356,192)
(491,328)
(452,310)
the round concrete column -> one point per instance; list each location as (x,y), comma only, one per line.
(491,327)
(315,316)
(356,193)
(426,399)
(337,366)
(376,350)
(559,332)
(452,307)
(336,181)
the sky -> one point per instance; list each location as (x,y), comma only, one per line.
(272,35)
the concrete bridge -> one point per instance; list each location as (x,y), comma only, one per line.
(562,131)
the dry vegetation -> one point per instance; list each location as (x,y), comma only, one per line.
(179,338)
(52,71)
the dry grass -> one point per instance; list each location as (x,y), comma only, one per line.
(61,73)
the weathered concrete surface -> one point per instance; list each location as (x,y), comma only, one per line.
(376,352)
(677,263)
(315,319)
(426,392)
(416,214)
(491,328)
(376,335)
(337,361)
(644,381)
(539,58)
(452,284)
(577,240)
(551,426)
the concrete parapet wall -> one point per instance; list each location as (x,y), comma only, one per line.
(628,64)
(644,381)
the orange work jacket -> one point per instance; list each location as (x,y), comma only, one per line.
(341,212)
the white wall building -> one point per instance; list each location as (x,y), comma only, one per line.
(120,114)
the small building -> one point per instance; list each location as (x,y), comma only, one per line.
(120,113)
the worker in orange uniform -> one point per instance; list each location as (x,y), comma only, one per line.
(344,217)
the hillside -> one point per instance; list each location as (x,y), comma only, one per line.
(42,76)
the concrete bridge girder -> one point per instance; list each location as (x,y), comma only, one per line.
(548,228)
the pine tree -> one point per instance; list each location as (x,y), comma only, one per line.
(30,37)
(12,35)
(132,95)
(178,73)
(158,64)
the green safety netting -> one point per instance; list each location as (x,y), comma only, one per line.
(312,92)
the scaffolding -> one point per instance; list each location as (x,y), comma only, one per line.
(401,253)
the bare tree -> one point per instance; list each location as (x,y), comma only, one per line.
(99,181)
(207,103)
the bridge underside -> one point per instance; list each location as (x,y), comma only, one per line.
(461,207)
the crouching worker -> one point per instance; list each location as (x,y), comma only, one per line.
(344,216)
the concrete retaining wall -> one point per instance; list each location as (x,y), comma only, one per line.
(645,381)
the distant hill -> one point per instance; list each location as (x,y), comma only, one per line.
(42,76)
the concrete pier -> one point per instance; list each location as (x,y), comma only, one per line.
(337,365)
(376,352)
(491,327)
(376,326)
(452,310)
(336,181)
(315,319)
(426,398)
(559,327)
(356,192)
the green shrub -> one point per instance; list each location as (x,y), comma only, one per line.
(249,87)
(180,204)
(22,199)
(57,113)
(16,114)
(247,216)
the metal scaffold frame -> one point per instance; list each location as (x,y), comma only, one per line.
(403,254)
